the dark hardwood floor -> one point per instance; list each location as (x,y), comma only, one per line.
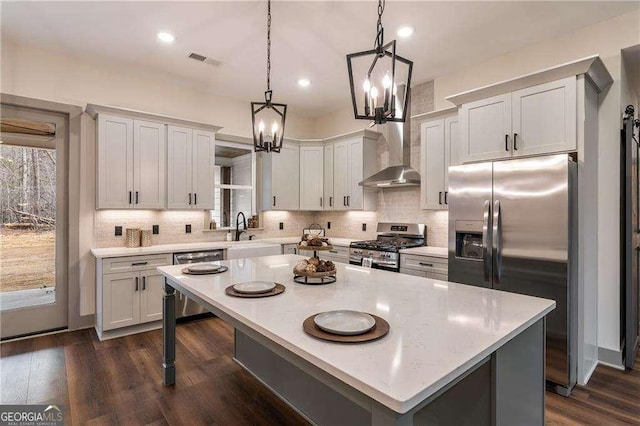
(119,382)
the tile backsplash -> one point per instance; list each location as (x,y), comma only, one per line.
(172,226)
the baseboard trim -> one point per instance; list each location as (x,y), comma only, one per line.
(610,358)
(588,375)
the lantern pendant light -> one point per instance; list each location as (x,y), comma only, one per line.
(268,113)
(383,93)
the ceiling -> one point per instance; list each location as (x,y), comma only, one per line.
(309,38)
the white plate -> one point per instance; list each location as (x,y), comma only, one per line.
(254,287)
(202,268)
(345,323)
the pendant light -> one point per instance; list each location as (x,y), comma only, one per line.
(383,79)
(268,113)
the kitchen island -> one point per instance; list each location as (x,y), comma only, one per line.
(454,354)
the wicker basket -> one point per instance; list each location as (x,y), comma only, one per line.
(145,238)
(132,237)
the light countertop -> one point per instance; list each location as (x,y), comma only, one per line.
(107,252)
(427,251)
(438,329)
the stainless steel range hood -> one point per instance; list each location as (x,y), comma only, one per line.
(399,172)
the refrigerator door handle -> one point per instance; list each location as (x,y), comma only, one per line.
(497,243)
(486,253)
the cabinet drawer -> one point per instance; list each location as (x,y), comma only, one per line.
(436,265)
(337,254)
(134,263)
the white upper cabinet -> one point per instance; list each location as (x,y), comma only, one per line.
(438,144)
(328,184)
(179,142)
(340,175)
(203,175)
(355,196)
(354,159)
(131,164)
(283,169)
(433,165)
(149,178)
(311,177)
(544,118)
(536,120)
(320,175)
(191,170)
(115,163)
(486,129)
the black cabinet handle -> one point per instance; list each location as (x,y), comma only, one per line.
(274,201)
(330,201)
(189,198)
(445,197)
(348,200)
(195,198)
(506,142)
(136,197)
(344,201)
(440,197)
(130,195)
(426,264)
(333,251)
(144,283)
(320,201)
(139,263)
(515,141)
(136,283)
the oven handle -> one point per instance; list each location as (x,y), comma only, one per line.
(385,262)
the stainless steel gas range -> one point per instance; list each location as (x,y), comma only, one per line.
(384,251)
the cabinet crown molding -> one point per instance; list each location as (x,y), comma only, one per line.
(94,110)
(439,113)
(591,66)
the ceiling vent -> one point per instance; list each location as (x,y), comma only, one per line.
(201,58)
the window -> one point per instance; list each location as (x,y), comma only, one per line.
(234,183)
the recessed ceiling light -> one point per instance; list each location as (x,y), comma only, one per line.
(405,32)
(166,37)
(304,82)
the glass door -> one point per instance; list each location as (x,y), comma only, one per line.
(33,238)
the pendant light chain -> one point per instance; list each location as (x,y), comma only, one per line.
(268,45)
(379,30)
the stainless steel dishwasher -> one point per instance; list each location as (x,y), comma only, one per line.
(186,307)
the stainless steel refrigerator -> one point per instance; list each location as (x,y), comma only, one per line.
(513,227)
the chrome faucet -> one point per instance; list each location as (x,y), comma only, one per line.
(244,224)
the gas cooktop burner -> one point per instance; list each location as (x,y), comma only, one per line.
(385,245)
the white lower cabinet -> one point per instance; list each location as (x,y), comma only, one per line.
(129,293)
(337,254)
(424,266)
(289,249)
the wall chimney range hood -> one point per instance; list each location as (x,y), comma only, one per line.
(399,173)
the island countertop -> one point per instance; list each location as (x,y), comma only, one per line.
(439,330)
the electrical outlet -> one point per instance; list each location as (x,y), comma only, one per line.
(281,226)
(328,225)
(118,231)
(187,229)
(364,226)
(156,229)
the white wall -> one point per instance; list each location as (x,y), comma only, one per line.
(44,74)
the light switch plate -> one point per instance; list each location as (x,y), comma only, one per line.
(118,231)
(281,226)
(187,229)
(156,229)
(364,226)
